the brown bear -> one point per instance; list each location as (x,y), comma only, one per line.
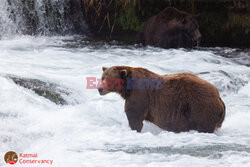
(170,28)
(174,102)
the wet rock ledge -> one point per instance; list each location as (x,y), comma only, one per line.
(50,91)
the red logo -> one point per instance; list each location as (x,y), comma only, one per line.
(11,157)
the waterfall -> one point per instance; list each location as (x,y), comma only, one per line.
(45,17)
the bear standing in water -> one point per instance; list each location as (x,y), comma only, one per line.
(180,102)
(170,28)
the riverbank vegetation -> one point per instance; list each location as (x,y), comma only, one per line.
(222,22)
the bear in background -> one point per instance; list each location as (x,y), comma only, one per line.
(174,102)
(170,28)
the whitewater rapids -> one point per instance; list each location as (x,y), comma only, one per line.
(93,130)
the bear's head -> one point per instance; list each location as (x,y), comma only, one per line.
(113,80)
(181,25)
(190,27)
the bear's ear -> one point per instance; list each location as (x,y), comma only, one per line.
(104,68)
(124,73)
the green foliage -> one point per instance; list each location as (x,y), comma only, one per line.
(211,20)
(247,31)
(219,21)
(168,1)
(128,19)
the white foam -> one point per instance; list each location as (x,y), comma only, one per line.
(95,131)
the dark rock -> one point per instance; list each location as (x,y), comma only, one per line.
(49,91)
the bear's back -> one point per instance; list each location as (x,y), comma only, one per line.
(190,83)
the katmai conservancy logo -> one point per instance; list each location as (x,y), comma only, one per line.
(11,157)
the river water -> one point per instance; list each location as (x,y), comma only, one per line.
(92,130)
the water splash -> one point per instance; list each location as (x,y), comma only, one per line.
(43,17)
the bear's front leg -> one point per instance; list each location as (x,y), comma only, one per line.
(135,114)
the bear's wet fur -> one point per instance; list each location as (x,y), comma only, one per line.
(170,28)
(185,102)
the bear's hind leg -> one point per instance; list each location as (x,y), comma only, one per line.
(205,128)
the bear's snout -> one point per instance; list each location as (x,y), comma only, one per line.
(100,90)
(197,36)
